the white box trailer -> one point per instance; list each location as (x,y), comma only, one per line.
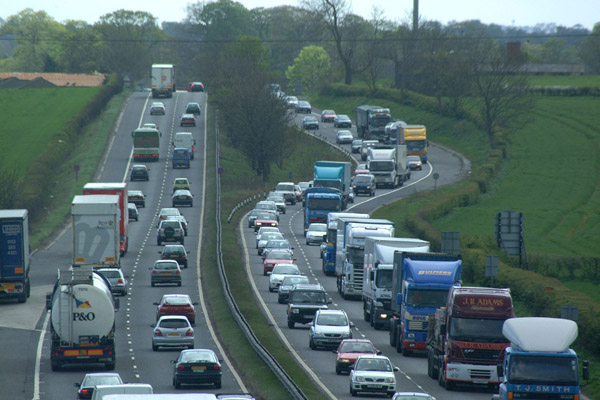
(163,80)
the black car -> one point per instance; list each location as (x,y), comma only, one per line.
(136,197)
(175,252)
(182,198)
(303,107)
(139,172)
(364,183)
(342,121)
(197,366)
(195,87)
(192,108)
(133,212)
(310,123)
(356,145)
(304,301)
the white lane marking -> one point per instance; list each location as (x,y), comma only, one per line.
(209,325)
(270,317)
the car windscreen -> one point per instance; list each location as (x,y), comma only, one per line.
(362,179)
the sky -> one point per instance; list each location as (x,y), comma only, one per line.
(503,12)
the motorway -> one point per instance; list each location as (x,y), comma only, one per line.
(25,369)
(321,363)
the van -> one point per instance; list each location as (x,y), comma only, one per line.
(185,139)
(162,396)
(101,391)
(181,157)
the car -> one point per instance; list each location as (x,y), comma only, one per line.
(373,374)
(175,252)
(292,101)
(195,87)
(327,115)
(181,184)
(264,239)
(254,214)
(193,108)
(172,331)
(344,137)
(166,212)
(190,362)
(279,272)
(364,149)
(349,350)
(342,121)
(136,197)
(181,158)
(267,205)
(176,304)
(157,108)
(187,120)
(289,191)
(181,219)
(364,183)
(414,163)
(287,283)
(316,233)
(361,169)
(182,197)
(133,212)
(88,383)
(356,145)
(235,396)
(263,230)
(329,328)
(298,190)
(277,244)
(303,186)
(150,125)
(310,123)
(170,230)
(303,107)
(412,396)
(276,257)
(139,172)
(279,201)
(265,218)
(303,303)
(165,271)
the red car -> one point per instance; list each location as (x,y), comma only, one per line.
(361,169)
(349,350)
(276,257)
(187,119)
(176,304)
(327,116)
(263,221)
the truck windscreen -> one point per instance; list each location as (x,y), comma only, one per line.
(434,298)
(380,122)
(376,166)
(329,184)
(384,278)
(477,330)
(543,370)
(324,204)
(356,256)
(414,144)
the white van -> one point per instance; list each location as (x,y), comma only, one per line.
(102,391)
(185,139)
(162,396)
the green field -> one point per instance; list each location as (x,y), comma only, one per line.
(31,117)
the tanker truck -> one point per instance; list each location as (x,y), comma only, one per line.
(82,321)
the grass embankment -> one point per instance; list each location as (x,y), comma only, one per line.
(238,183)
(42,114)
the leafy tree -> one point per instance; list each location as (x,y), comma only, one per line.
(311,67)
(255,121)
(78,50)
(127,41)
(37,36)
(589,50)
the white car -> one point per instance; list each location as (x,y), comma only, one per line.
(279,272)
(412,396)
(279,201)
(264,239)
(344,137)
(316,233)
(329,328)
(373,374)
(165,212)
(265,229)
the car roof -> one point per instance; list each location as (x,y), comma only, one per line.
(165,296)
(182,191)
(182,317)
(308,286)
(330,311)
(342,116)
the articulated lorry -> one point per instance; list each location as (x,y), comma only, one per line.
(329,255)
(318,203)
(371,122)
(95,223)
(119,189)
(420,285)
(350,251)
(82,320)
(539,363)
(337,175)
(163,80)
(389,165)
(378,271)
(14,255)
(465,342)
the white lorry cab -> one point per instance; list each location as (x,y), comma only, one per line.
(102,391)
(185,140)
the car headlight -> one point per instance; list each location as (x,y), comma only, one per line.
(295,311)
(390,380)
(359,378)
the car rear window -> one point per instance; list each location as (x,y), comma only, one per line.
(111,274)
(177,300)
(174,323)
(165,266)
(285,188)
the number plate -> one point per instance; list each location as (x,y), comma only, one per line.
(375,386)
(480,381)
(198,368)
(173,334)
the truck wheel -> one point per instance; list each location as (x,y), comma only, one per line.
(23,298)
(55,365)
(441,381)
(393,333)
(434,370)
(291,324)
(398,342)
(110,366)
(366,316)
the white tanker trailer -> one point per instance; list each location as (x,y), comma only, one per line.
(82,319)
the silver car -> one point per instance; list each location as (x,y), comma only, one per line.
(116,278)
(279,201)
(165,271)
(279,272)
(329,328)
(264,239)
(373,374)
(316,233)
(172,331)
(264,230)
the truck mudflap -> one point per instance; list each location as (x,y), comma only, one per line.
(471,373)
(60,356)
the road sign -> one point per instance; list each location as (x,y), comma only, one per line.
(451,242)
